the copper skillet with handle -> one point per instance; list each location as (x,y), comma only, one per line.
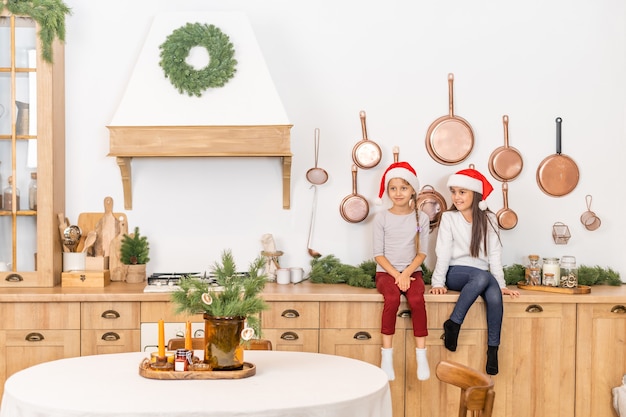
(557,175)
(505,162)
(507,219)
(354,207)
(366,153)
(450,138)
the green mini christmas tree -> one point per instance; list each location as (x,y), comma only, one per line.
(134,249)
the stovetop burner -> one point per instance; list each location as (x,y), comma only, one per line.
(168,281)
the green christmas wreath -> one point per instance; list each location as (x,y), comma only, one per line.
(175,49)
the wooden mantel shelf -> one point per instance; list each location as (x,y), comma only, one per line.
(127,142)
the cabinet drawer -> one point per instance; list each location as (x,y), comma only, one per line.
(356,315)
(40,316)
(97,342)
(298,340)
(110,315)
(437,313)
(287,315)
(535,310)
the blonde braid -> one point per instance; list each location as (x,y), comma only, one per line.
(417,219)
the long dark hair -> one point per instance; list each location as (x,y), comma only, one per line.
(480,222)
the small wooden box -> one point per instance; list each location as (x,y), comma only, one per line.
(86,279)
(96,263)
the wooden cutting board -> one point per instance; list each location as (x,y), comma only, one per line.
(115,265)
(89,221)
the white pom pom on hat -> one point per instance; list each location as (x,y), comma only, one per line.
(471,179)
(398,170)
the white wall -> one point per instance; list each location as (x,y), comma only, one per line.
(533,60)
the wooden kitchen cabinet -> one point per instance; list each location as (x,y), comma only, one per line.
(352,329)
(432,397)
(600,356)
(292,325)
(32,333)
(110,327)
(537,360)
(31,140)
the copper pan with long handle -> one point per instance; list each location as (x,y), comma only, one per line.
(450,138)
(505,162)
(507,218)
(557,175)
(354,207)
(366,153)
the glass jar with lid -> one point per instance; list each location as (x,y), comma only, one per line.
(569,272)
(533,271)
(551,266)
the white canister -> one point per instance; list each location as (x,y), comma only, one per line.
(296,274)
(552,266)
(283,276)
(74,261)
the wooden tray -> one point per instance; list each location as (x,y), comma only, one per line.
(146,371)
(581,289)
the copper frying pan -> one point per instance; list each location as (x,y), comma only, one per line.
(433,204)
(505,163)
(507,219)
(557,175)
(354,207)
(450,138)
(366,153)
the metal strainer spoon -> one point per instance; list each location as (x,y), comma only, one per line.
(72,236)
(315,175)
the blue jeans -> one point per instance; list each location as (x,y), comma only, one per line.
(472,282)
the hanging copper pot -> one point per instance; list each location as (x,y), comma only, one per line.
(505,162)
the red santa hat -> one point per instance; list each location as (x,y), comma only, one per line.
(398,170)
(472,180)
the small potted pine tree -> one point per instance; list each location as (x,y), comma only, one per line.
(134,254)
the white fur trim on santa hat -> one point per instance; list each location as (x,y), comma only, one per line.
(397,170)
(464,181)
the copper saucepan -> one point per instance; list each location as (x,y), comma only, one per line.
(354,207)
(433,204)
(557,175)
(505,162)
(366,153)
(507,219)
(450,138)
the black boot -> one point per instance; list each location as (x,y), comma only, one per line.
(492,360)
(451,334)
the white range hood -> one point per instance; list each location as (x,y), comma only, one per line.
(245,117)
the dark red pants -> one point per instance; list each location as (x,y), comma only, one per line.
(415,297)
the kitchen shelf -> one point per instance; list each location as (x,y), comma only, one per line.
(128,142)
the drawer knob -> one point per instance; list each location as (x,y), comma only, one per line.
(534,308)
(110,314)
(289,336)
(110,337)
(362,336)
(618,309)
(14,278)
(290,314)
(34,337)
(404,314)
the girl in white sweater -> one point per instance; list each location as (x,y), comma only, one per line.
(469,260)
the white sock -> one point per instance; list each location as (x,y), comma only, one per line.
(386,362)
(423,371)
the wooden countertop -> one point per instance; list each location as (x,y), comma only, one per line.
(305,291)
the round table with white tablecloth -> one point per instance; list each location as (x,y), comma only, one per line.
(290,384)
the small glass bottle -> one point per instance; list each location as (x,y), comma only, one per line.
(551,266)
(32,192)
(533,271)
(569,272)
(7,197)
